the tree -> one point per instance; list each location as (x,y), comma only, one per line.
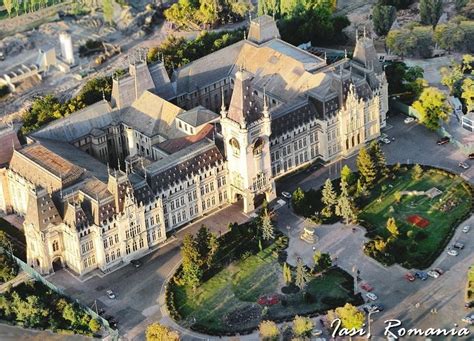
(94,325)
(159,332)
(207,246)
(287,274)
(449,36)
(401,42)
(378,156)
(192,272)
(432,107)
(329,198)
(346,210)
(302,326)
(322,261)
(430,11)
(298,200)
(8,6)
(468,93)
(380,245)
(268,331)
(383,18)
(108,9)
(417,172)
(350,316)
(268,231)
(392,227)
(301,275)
(366,167)
(347,175)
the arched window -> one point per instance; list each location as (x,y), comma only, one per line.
(235,147)
(55,246)
(257,147)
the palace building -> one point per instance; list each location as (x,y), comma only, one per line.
(104,185)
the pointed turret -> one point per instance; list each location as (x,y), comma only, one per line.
(243,107)
(365,53)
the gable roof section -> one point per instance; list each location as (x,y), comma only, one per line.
(198,116)
(172,146)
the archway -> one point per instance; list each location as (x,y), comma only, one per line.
(57,264)
(259,199)
(239,200)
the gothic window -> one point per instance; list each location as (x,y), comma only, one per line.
(127,249)
(55,246)
(257,147)
(235,147)
(112,255)
(134,246)
(107,258)
(141,243)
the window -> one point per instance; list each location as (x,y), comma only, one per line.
(127,249)
(134,245)
(257,147)
(112,255)
(105,244)
(141,242)
(55,246)
(235,147)
(107,258)
(118,253)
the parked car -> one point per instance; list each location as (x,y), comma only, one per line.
(471,156)
(371,296)
(421,275)
(110,294)
(136,263)
(409,119)
(443,140)
(286,195)
(466,229)
(469,319)
(373,307)
(458,246)
(463,165)
(366,287)
(111,320)
(385,140)
(409,277)
(453,253)
(439,271)
(316,332)
(433,274)
(469,305)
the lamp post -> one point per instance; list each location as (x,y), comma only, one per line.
(371,311)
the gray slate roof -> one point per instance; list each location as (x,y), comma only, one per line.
(198,116)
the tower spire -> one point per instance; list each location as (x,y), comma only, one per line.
(222,101)
(265,104)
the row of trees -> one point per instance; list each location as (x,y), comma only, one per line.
(32,304)
(415,39)
(8,266)
(17,7)
(198,14)
(457,79)
(48,108)
(176,52)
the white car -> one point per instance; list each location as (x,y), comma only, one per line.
(286,195)
(385,140)
(409,120)
(464,165)
(433,274)
(371,296)
(316,332)
(453,253)
(466,229)
(110,294)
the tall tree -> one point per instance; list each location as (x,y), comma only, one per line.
(108,9)
(287,278)
(347,175)
(159,332)
(468,93)
(298,200)
(401,42)
(430,11)
(392,227)
(449,36)
(383,18)
(8,6)
(432,108)
(329,198)
(301,276)
(417,172)
(268,231)
(366,167)
(192,272)
(378,157)
(322,261)
(207,246)
(345,207)
(350,316)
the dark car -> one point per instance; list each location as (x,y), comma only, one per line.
(471,156)
(112,321)
(458,246)
(469,305)
(373,307)
(443,140)
(136,263)
(421,275)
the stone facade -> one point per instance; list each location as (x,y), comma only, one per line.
(104,185)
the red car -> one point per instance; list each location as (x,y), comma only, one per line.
(268,300)
(409,277)
(366,287)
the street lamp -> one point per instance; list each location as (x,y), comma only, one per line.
(371,311)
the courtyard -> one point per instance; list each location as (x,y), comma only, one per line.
(426,212)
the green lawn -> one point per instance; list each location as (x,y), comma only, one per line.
(421,248)
(217,304)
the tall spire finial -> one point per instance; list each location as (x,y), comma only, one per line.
(325,56)
(345,53)
(103,94)
(365,32)
(357,34)
(222,101)
(245,37)
(265,104)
